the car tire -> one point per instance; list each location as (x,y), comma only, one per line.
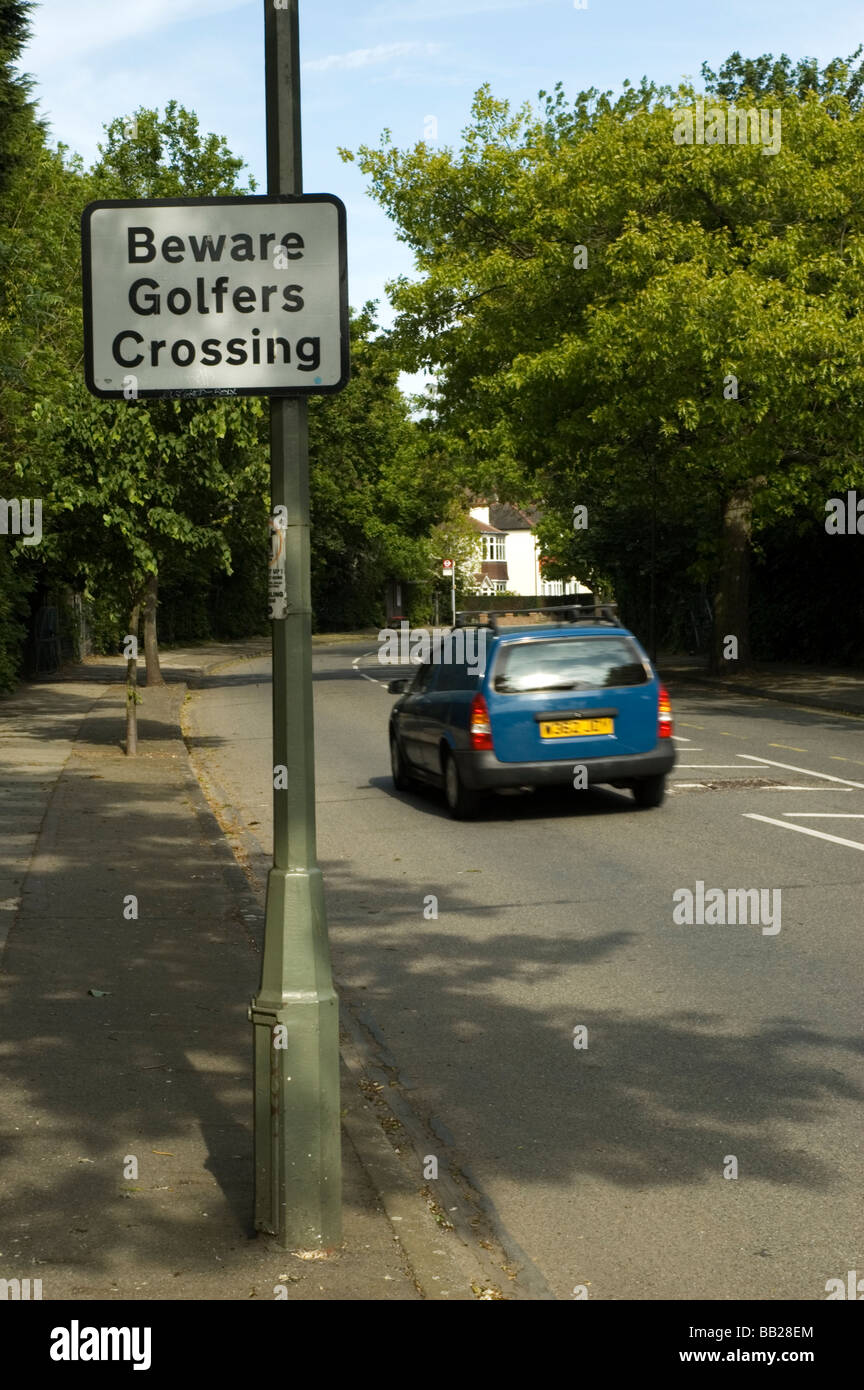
(461,802)
(401,780)
(650,791)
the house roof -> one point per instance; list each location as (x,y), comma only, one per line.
(506,518)
(482,526)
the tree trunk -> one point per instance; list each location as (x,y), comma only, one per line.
(151,642)
(730,647)
(132,689)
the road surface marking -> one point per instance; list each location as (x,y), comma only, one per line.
(806,830)
(790,746)
(826,815)
(782,787)
(808,772)
(363,673)
(720,765)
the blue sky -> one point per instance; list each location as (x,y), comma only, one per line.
(388,63)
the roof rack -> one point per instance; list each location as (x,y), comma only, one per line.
(566,613)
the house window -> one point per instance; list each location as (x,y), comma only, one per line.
(500,586)
(553,586)
(493,548)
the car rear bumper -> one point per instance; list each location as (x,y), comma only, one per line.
(483,771)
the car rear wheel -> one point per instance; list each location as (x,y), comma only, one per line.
(650,791)
(461,803)
(401,780)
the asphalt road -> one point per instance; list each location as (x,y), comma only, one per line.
(705,1043)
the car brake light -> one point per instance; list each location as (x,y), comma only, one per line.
(480,729)
(664,714)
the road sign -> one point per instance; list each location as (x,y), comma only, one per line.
(215,296)
(449,572)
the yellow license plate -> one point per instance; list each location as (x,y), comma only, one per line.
(576,728)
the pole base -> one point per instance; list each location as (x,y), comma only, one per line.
(295,1018)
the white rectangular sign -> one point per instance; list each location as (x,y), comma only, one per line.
(215,296)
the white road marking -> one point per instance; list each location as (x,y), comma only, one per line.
(806,830)
(781,787)
(363,673)
(737,766)
(689,784)
(808,772)
(826,815)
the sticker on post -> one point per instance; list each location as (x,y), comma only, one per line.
(277,571)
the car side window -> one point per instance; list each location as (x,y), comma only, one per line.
(421,681)
(456,676)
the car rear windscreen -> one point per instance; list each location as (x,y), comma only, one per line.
(568,663)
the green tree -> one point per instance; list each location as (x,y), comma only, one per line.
(143,489)
(618,318)
(150,491)
(455,538)
(378,481)
(761,78)
(18,117)
(30,181)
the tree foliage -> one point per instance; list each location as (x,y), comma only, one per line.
(29,176)
(147,488)
(379,480)
(699,361)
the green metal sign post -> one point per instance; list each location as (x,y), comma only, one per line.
(295,1014)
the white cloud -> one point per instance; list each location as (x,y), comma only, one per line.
(366,57)
(64,30)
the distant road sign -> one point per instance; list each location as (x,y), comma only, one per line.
(447,568)
(215,296)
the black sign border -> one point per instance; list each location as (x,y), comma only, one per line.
(238,200)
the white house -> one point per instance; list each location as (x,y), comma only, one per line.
(511,554)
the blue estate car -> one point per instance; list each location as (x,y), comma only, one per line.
(574,692)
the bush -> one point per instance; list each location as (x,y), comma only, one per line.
(16,584)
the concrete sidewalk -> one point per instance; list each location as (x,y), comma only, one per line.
(827,688)
(126,1154)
